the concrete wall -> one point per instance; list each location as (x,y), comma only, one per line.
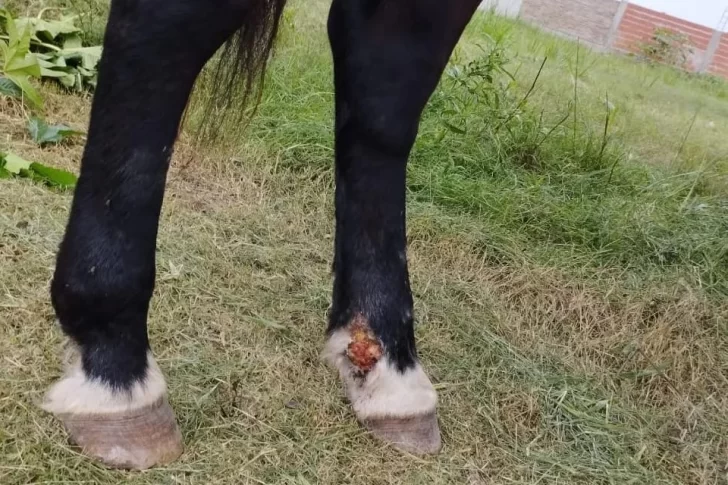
(508,8)
(587,20)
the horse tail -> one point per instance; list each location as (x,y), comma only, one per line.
(236,76)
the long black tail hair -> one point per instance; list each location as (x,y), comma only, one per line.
(239,69)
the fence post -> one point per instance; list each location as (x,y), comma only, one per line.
(616,21)
(710,51)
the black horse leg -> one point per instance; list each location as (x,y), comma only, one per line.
(388,58)
(112,400)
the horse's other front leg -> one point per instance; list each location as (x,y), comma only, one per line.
(112,399)
(388,58)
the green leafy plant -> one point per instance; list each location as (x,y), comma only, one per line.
(667,46)
(46,49)
(486,80)
(62,55)
(43,134)
(18,63)
(9,88)
(12,165)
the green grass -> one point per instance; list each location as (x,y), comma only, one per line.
(570,293)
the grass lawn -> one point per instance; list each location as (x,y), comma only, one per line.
(569,258)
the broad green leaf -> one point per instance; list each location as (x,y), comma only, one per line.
(27,65)
(47,30)
(18,63)
(43,133)
(14,164)
(51,60)
(9,88)
(55,72)
(11,30)
(29,91)
(89,56)
(55,67)
(53,176)
(72,42)
(60,55)
(70,81)
(18,39)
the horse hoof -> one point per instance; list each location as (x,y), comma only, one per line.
(135,440)
(419,435)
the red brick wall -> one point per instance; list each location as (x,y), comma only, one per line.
(591,20)
(639,23)
(587,20)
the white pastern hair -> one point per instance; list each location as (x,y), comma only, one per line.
(384,391)
(76,393)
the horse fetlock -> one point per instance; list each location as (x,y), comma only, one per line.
(364,349)
(397,406)
(78,392)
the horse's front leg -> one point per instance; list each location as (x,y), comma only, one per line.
(388,58)
(112,399)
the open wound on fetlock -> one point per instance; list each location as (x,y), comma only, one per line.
(364,349)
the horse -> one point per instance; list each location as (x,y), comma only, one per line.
(388,56)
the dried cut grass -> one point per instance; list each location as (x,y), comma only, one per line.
(531,367)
